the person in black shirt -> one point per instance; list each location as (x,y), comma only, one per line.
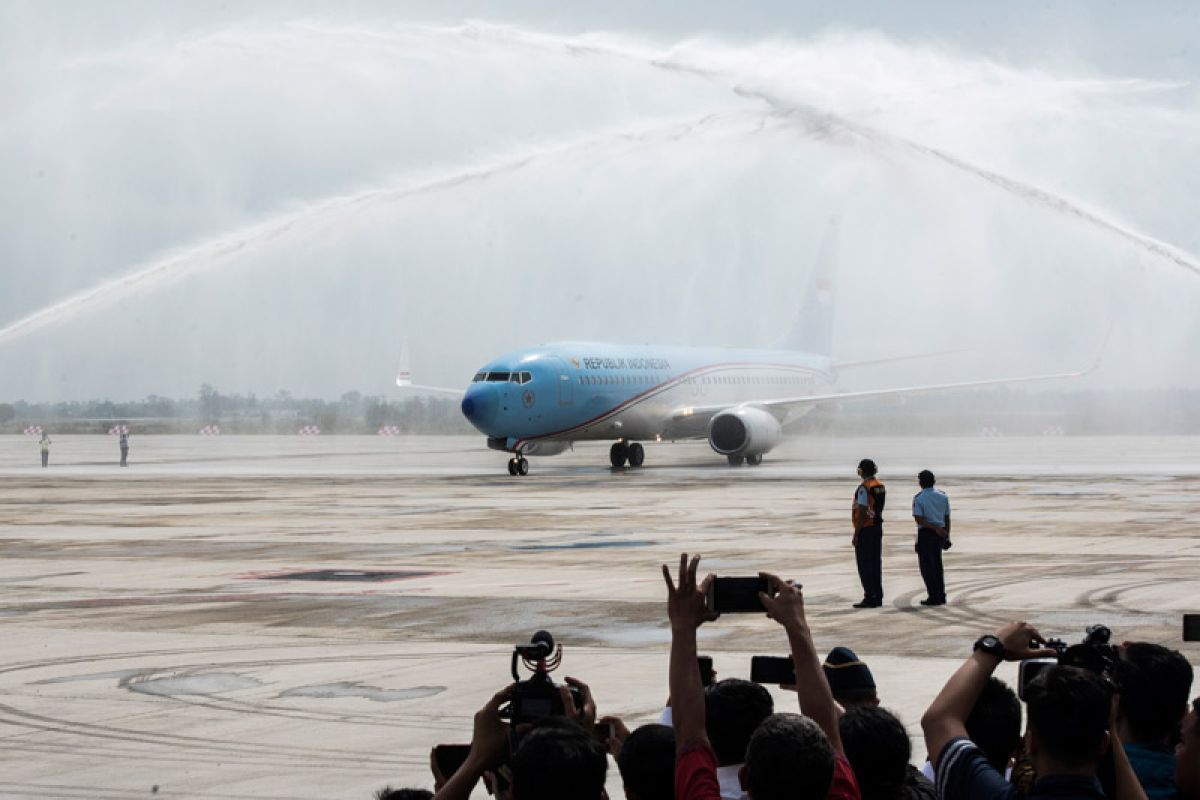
(1070,727)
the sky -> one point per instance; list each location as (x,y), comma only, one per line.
(268,196)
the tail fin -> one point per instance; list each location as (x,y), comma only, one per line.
(813,329)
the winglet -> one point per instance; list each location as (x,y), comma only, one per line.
(404,371)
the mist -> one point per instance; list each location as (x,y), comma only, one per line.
(275,202)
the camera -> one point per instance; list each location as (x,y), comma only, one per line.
(1094,653)
(538,696)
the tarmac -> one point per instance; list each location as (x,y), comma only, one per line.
(304,617)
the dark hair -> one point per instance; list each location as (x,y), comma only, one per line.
(925,479)
(994,724)
(556,759)
(1154,684)
(789,758)
(1068,711)
(647,763)
(868,467)
(733,709)
(388,793)
(878,749)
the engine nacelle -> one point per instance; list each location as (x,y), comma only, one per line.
(744,431)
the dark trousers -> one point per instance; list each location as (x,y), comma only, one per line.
(869,555)
(929,556)
(45,458)
(124,455)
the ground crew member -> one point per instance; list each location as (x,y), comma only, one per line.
(931,510)
(45,443)
(124,449)
(866,514)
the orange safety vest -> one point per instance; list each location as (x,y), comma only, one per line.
(876,498)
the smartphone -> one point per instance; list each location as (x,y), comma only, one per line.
(603,732)
(736,595)
(773,669)
(706,670)
(1030,668)
(450,757)
(1191,627)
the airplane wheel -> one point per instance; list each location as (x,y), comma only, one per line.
(617,454)
(754,460)
(734,461)
(522,466)
(637,455)
(512,466)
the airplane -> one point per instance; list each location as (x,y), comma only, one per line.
(539,400)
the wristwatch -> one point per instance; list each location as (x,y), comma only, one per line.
(990,645)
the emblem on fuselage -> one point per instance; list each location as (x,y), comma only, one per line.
(575,361)
(528,398)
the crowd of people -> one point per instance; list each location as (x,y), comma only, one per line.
(1121,729)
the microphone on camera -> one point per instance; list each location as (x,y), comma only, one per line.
(543,644)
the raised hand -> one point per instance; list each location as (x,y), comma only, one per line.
(686,603)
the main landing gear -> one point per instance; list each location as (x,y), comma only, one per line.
(622,452)
(753,460)
(517,465)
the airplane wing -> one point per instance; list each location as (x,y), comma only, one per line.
(404,378)
(694,419)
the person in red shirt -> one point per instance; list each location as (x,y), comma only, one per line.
(789,756)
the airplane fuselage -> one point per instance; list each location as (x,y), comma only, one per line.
(529,400)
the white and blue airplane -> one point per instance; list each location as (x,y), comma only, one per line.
(539,400)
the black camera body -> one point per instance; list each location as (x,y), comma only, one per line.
(1094,653)
(538,696)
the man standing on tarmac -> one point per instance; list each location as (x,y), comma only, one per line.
(124,443)
(931,510)
(45,443)
(866,514)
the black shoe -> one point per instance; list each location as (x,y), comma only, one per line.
(929,601)
(869,604)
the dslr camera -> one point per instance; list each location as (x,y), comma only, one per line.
(1094,653)
(538,696)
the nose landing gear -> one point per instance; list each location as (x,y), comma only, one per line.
(517,465)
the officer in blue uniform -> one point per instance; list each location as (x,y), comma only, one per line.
(931,510)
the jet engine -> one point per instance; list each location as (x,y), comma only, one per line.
(744,431)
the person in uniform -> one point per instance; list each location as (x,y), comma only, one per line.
(866,515)
(45,443)
(124,449)
(931,510)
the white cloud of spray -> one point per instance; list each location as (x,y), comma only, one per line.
(277,206)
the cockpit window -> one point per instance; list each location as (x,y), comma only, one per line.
(501,377)
(479,376)
(521,377)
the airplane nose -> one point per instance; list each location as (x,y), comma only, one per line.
(479,406)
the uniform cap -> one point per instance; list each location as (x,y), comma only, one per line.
(846,673)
